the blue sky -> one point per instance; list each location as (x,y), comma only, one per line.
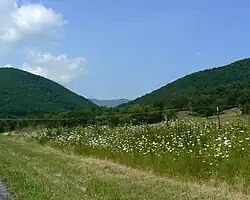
(131,47)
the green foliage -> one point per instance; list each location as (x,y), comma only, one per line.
(228,85)
(171,114)
(205,112)
(33,172)
(90,116)
(183,148)
(23,94)
(245,109)
(135,114)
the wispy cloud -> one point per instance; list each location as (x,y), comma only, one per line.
(59,68)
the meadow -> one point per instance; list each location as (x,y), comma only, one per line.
(189,149)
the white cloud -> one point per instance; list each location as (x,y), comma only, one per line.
(58,68)
(19,22)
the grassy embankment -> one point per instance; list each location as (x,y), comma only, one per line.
(32,171)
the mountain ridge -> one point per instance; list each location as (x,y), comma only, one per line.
(109,103)
(222,85)
(23,93)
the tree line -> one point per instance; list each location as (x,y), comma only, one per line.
(133,115)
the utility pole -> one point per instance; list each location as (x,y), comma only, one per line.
(218,115)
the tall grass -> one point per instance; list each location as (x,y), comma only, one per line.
(184,148)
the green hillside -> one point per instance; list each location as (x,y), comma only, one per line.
(23,93)
(227,85)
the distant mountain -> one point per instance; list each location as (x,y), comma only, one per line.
(109,103)
(23,94)
(228,85)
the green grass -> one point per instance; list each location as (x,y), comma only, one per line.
(225,116)
(32,171)
(194,150)
(228,115)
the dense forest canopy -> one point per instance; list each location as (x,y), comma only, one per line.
(23,94)
(221,86)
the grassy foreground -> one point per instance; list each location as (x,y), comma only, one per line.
(186,149)
(38,172)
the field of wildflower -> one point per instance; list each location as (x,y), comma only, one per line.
(193,149)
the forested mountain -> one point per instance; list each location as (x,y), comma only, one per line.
(109,103)
(227,85)
(23,94)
